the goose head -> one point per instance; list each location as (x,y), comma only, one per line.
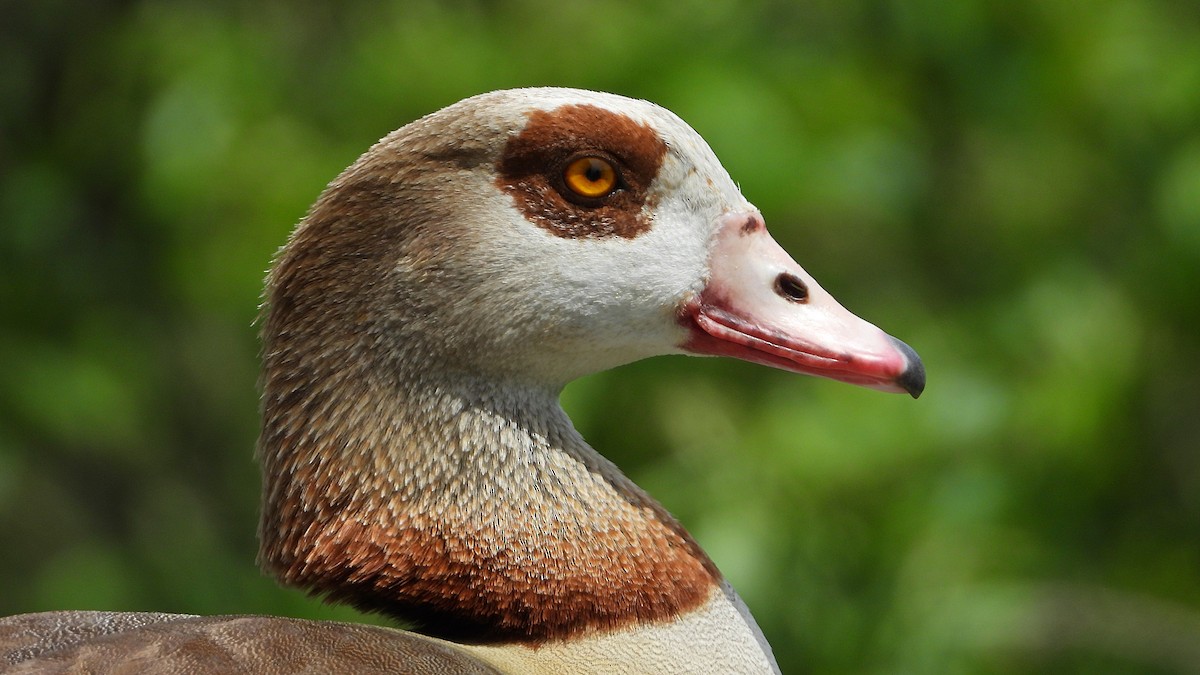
(538,235)
(423,317)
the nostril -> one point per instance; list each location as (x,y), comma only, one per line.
(791,287)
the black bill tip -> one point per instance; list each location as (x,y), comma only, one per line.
(912,379)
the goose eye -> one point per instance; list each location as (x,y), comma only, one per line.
(590,177)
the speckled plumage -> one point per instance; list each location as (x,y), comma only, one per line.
(418,327)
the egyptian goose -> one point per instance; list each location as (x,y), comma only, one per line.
(418,328)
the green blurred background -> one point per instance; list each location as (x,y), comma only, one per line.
(1011,187)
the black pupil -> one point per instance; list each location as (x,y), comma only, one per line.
(594,172)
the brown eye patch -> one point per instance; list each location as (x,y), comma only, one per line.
(534,163)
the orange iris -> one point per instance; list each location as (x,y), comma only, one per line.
(591,177)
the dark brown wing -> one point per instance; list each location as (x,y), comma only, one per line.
(175,644)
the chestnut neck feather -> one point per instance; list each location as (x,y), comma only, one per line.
(400,483)
(473,510)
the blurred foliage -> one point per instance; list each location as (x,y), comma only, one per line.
(1011,187)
